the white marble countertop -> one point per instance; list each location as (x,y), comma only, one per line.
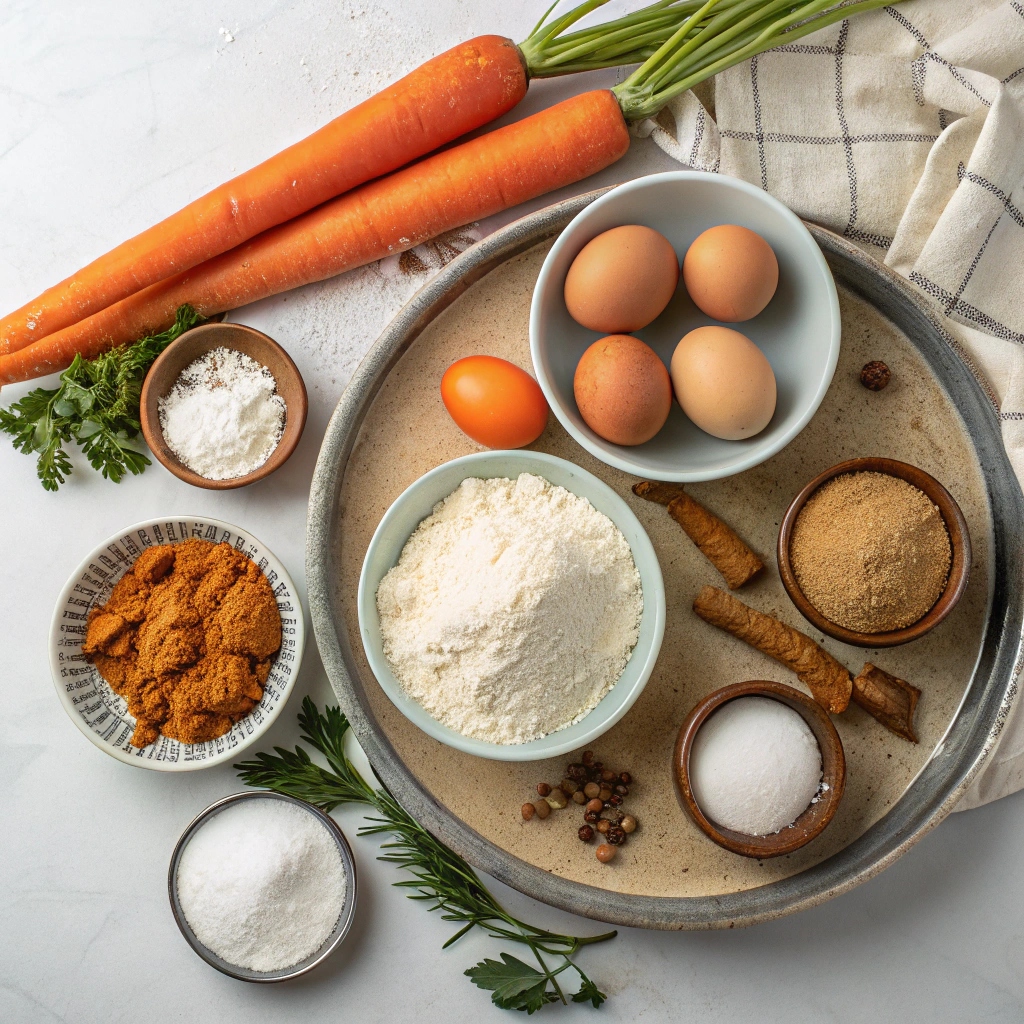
(112,114)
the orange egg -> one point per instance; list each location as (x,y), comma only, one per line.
(495,402)
(622,279)
(622,390)
(730,272)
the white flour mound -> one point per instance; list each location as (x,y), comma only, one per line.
(513,609)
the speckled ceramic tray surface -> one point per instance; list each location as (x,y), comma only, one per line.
(391,427)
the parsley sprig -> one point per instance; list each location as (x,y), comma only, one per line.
(440,877)
(96,406)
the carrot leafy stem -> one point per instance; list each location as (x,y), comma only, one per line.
(439,877)
(96,406)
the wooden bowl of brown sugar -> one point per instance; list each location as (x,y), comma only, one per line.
(917,574)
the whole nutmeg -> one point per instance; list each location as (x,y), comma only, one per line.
(591,790)
(603,825)
(568,787)
(586,833)
(579,797)
(543,788)
(605,853)
(527,812)
(875,375)
(604,793)
(595,805)
(543,809)
(557,799)
(608,776)
(628,824)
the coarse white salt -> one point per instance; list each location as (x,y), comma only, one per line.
(262,884)
(755,766)
(223,418)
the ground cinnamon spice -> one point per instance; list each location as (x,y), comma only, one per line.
(871,552)
(186,638)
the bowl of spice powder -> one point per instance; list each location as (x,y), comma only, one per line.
(176,643)
(874,552)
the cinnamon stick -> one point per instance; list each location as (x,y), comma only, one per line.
(829,682)
(719,543)
(890,700)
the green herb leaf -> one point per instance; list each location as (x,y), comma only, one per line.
(589,992)
(96,406)
(513,984)
(439,876)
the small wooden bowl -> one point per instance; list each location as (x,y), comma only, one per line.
(956,527)
(192,345)
(813,821)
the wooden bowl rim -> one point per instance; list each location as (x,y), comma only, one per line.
(956,528)
(204,339)
(813,821)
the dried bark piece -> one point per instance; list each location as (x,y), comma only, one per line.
(890,700)
(829,682)
(655,490)
(717,541)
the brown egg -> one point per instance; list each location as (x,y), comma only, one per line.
(622,279)
(730,272)
(724,382)
(623,390)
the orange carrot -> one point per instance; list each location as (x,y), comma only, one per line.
(556,147)
(451,94)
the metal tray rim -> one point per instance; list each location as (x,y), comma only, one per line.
(942,781)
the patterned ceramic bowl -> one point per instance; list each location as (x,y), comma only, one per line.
(99,712)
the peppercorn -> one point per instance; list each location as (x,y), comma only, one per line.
(591,816)
(543,809)
(603,825)
(875,375)
(556,798)
(608,776)
(527,811)
(616,835)
(625,778)
(594,805)
(591,790)
(604,793)
(628,824)
(586,833)
(588,757)
(543,788)
(597,766)
(615,799)
(577,772)
(605,853)
(568,787)
(579,797)
(622,790)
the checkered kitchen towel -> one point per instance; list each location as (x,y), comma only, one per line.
(902,130)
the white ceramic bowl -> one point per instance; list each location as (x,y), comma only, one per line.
(798,331)
(415,503)
(99,712)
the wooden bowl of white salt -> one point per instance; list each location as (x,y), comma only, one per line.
(758,773)
(223,406)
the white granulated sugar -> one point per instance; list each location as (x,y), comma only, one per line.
(755,766)
(262,884)
(223,418)
(513,609)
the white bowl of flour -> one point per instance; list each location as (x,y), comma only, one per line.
(511,605)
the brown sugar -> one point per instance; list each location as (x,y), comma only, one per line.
(186,638)
(871,552)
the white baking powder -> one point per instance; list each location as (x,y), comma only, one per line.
(755,766)
(262,884)
(513,609)
(223,418)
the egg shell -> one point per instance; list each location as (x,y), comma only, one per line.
(730,272)
(724,382)
(495,402)
(622,279)
(623,390)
